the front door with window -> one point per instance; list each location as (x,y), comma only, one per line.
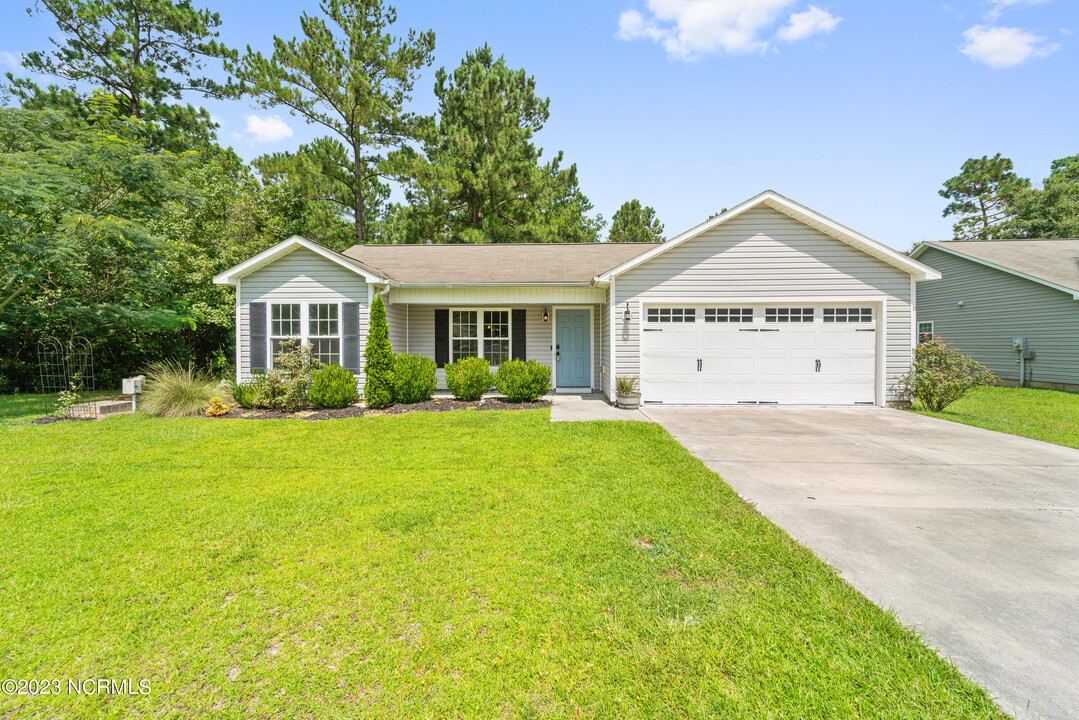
(573,348)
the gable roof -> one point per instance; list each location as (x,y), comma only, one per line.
(230,276)
(1054,263)
(800,213)
(496,263)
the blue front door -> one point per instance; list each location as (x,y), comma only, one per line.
(573,351)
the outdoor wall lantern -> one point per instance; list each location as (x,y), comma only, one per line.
(546,317)
(626,316)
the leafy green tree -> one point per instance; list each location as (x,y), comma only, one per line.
(224,217)
(146,53)
(480,178)
(635,223)
(1051,211)
(320,172)
(378,388)
(76,204)
(353,78)
(982,196)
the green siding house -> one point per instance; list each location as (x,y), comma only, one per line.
(993,292)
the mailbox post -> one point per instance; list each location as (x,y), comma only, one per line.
(133,386)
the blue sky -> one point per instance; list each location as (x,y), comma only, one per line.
(859,110)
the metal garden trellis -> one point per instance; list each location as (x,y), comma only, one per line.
(67,368)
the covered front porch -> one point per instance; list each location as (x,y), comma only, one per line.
(567,337)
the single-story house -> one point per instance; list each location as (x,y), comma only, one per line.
(996,295)
(767,303)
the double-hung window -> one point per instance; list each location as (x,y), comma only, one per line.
(285,325)
(480,333)
(314,324)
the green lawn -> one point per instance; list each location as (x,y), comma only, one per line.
(1046,415)
(465,564)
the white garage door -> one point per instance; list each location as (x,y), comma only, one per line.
(781,354)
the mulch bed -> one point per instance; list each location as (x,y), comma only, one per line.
(434,405)
(50,419)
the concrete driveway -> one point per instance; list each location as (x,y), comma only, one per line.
(970,536)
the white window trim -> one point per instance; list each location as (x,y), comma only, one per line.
(305,327)
(480,340)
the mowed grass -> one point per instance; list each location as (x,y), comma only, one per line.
(1047,415)
(466,564)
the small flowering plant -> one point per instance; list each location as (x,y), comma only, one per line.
(941,375)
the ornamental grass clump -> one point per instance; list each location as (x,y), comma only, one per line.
(414,378)
(469,378)
(523,381)
(173,390)
(941,375)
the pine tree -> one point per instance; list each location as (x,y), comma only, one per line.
(352,78)
(378,365)
(634,223)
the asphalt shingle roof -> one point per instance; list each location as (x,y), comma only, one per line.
(548,263)
(1054,261)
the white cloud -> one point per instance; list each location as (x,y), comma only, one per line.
(269,129)
(688,28)
(1003,47)
(999,5)
(11,61)
(812,21)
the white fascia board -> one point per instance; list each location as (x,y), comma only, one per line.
(230,276)
(922,246)
(448,285)
(798,212)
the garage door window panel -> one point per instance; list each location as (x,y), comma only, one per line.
(788,315)
(728,315)
(672,315)
(848,315)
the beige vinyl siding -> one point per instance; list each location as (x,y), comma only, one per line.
(765,254)
(300,276)
(998,306)
(396,320)
(538,334)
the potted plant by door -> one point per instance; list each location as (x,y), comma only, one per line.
(625,388)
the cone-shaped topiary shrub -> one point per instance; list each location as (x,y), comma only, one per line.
(378,366)
(414,378)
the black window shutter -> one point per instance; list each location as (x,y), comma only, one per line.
(517,330)
(442,337)
(350,336)
(257,341)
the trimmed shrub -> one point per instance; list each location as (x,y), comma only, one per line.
(378,367)
(469,378)
(941,375)
(174,390)
(522,381)
(414,378)
(332,386)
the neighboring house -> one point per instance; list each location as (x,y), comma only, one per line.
(768,302)
(995,291)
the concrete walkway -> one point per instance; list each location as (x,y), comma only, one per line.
(578,408)
(970,536)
